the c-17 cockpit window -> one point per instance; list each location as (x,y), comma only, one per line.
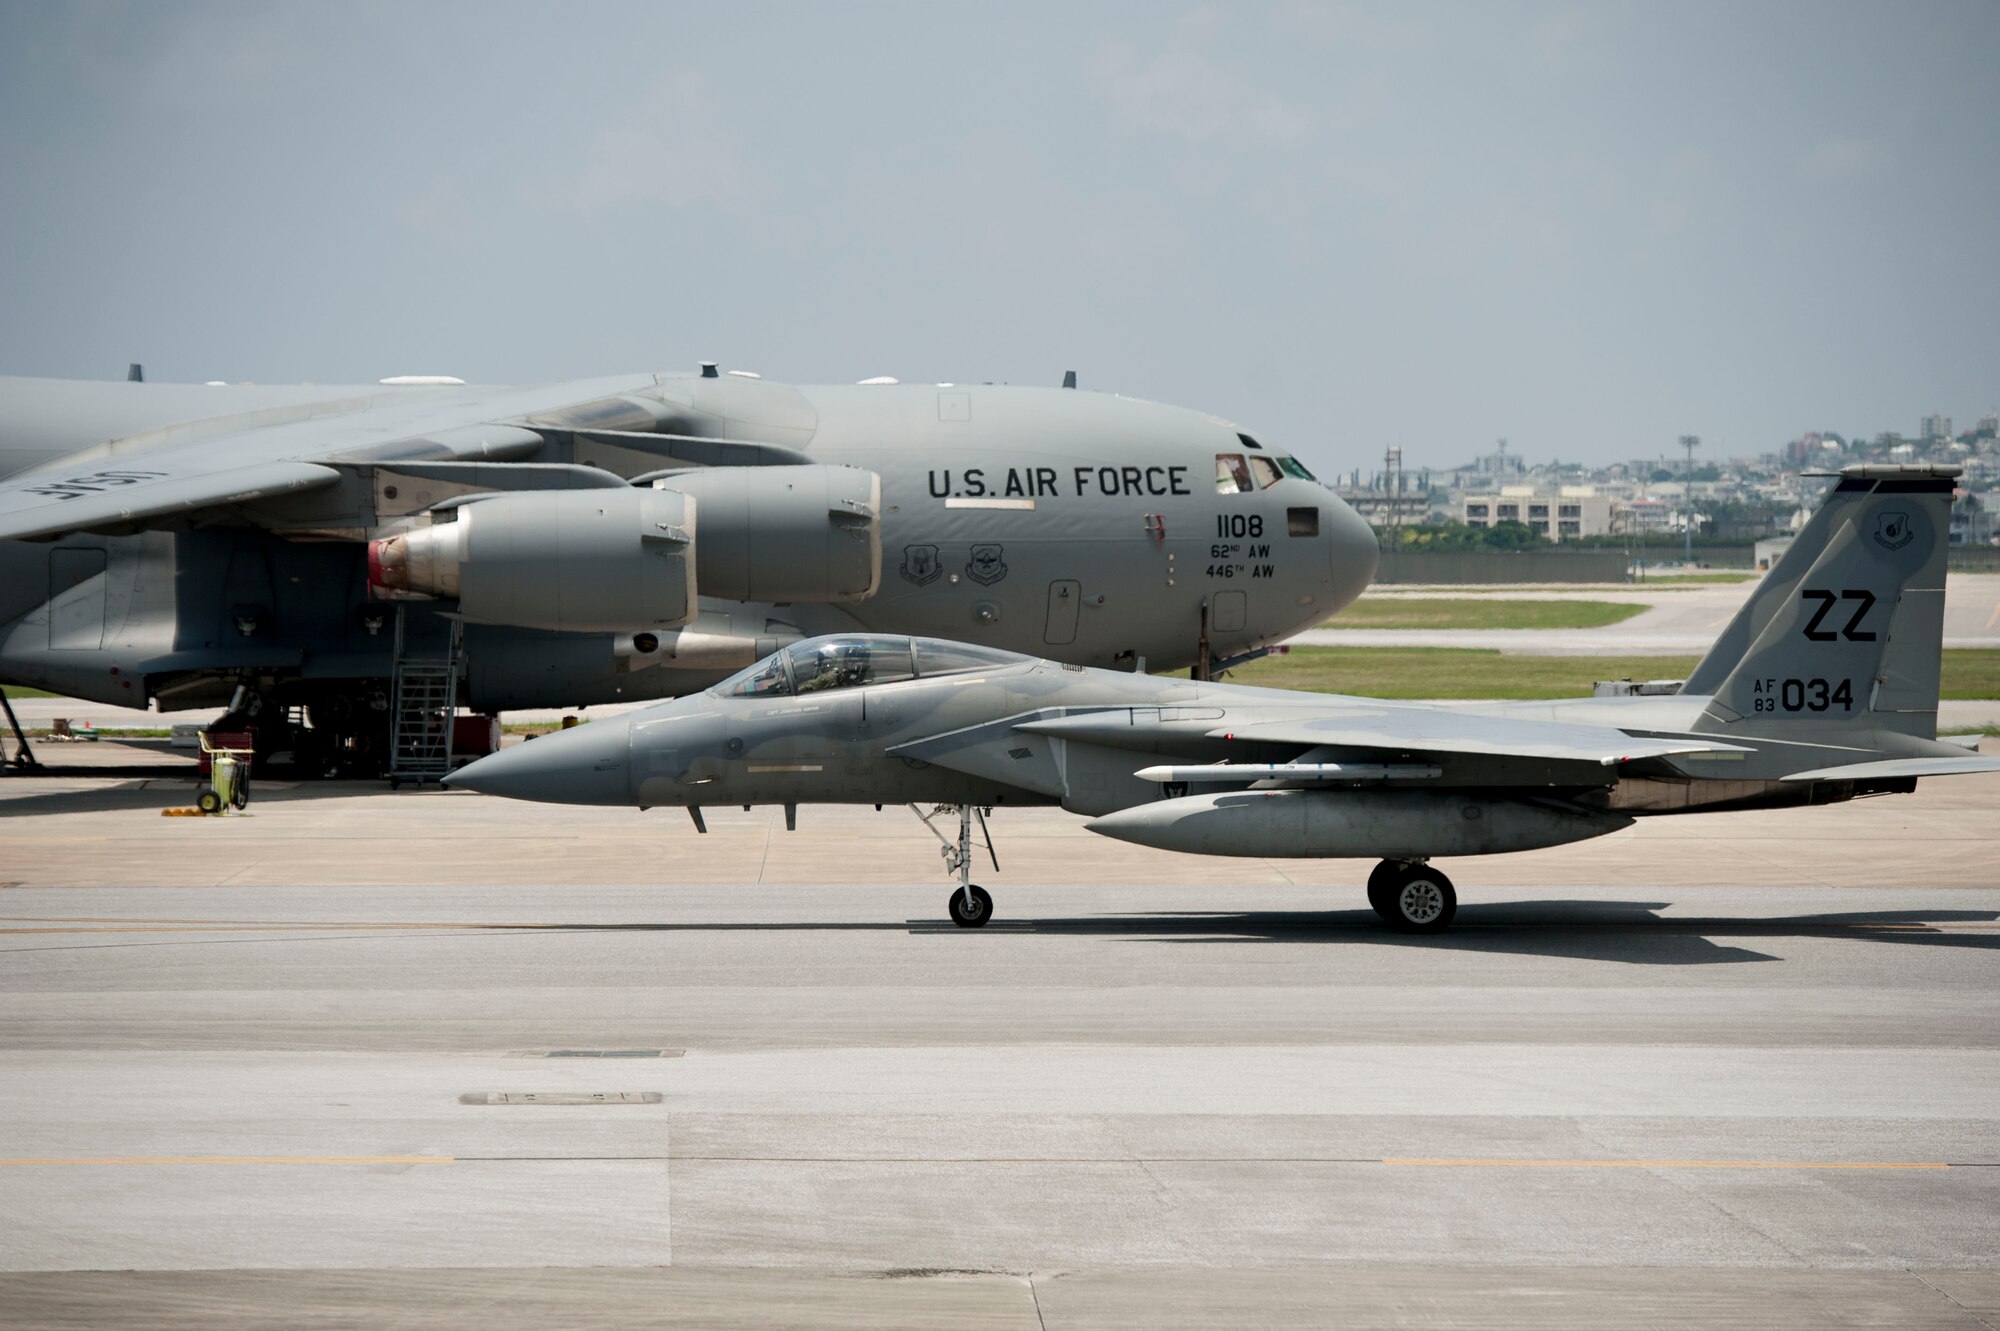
(1294,467)
(1266,471)
(949,658)
(849,662)
(1232,474)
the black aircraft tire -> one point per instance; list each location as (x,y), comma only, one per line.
(1424,902)
(1382,883)
(981,912)
(209,801)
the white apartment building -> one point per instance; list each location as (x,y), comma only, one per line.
(1572,511)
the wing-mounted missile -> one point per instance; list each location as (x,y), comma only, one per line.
(1290,773)
(1389,824)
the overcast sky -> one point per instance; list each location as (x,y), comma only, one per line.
(1589,228)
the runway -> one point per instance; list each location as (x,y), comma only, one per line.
(373,1059)
(1679,620)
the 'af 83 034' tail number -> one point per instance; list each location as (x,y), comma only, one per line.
(1802,695)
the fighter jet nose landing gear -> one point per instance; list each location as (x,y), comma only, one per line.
(970,906)
(1412,896)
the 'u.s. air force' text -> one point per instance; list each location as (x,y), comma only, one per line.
(1038,482)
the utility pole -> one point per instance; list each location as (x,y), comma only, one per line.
(1392,465)
(1690,442)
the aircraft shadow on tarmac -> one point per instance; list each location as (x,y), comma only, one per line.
(1631,932)
(126,788)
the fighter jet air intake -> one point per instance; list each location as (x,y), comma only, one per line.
(342,567)
(1823,688)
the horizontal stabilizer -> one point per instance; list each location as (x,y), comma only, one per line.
(1889,768)
(113,494)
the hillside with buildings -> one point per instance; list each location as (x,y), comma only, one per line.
(1655,500)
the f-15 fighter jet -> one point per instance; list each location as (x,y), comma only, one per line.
(1823,688)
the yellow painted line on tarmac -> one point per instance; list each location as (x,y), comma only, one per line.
(1674,1164)
(236,1160)
(1994,618)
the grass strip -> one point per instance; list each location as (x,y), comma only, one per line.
(1472,613)
(1481,673)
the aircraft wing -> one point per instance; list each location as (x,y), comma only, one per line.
(114,493)
(211,448)
(1399,729)
(1441,732)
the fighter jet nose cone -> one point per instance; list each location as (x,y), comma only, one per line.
(588,765)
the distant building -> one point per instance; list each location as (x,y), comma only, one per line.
(1934,427)
(1501,463)
(1570,512)
(1972,521)
(1644,516)
(1811,448)
(1380,508)
(1748,522)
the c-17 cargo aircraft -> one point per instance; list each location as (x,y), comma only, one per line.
(372,556)
(1823,688)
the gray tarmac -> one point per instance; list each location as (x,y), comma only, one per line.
(426,1059)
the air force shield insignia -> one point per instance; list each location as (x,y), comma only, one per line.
(986,566)
(1892,530)
(921,564)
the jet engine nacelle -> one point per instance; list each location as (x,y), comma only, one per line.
(1339,824)
(576,561)
(609,560)
(786,534)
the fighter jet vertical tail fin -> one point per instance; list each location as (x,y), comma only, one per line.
(1849,627)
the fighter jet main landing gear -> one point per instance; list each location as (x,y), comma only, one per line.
(1412,896)
(970,906)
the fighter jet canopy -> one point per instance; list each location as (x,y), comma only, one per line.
(853,660)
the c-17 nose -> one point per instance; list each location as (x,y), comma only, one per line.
(1352,548)
(590,764)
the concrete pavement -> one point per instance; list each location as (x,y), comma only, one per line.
(1739,1069)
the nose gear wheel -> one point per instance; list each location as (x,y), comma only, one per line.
(970,906)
